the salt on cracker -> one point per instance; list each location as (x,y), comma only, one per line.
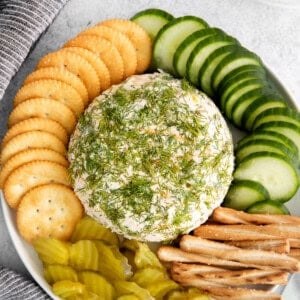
(51,89)
(121,41)
(46,109)
(75,64)
(29,140)
(107,52)
(27,156)
(48,211)
(96,62)
(139,38)
(60,74)
(42,124)
(30,175)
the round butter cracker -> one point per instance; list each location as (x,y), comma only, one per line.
(42,124)
(32,139)
(48,211)
(139,38)
(75,64)
(105,50)
(27,156)
(46,109)
(51,89)
(121,42)
(97,63)
(30,175)
(60,74)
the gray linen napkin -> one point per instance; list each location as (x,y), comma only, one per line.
(21,24)
(14,286)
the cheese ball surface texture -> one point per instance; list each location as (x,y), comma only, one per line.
(151,158)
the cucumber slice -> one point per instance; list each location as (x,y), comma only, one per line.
(208,67)
(241,105)
(169,38)
(274,171)
(202,51)
(185,49)
(290,130)
(152,20)
(273,136)
(241,71)
(268,207)
(285,114)
(259,145)
(228,86)
(227,104)
(238,58)
(244,193)
(258,106)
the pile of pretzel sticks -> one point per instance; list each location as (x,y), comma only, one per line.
(236,255)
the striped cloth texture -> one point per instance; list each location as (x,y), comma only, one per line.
(21,24)
(14,286)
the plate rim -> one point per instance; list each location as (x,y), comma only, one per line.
(20,246)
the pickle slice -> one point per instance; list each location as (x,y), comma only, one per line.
(155,280)
(54,273)
(160,288)
(113,265)
(128,297)
(84,255)
(86,296)
(89,229)
(97,284)
(52,251)
(68,288)
(143,257)
(146,276)
(128,287)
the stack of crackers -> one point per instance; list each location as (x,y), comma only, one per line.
(34,166)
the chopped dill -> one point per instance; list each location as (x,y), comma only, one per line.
(134,148)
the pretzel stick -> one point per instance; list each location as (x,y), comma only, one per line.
(294,252)
(232,277)
(231,232)
(294,243)
(279,246)
(231,216)
(269,296)
(171,254)
(219,290)
(296,257)
(201,246)
(199,268)
(248,232)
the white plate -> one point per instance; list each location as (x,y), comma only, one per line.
(63,28)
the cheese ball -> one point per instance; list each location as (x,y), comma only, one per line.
(151,158)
